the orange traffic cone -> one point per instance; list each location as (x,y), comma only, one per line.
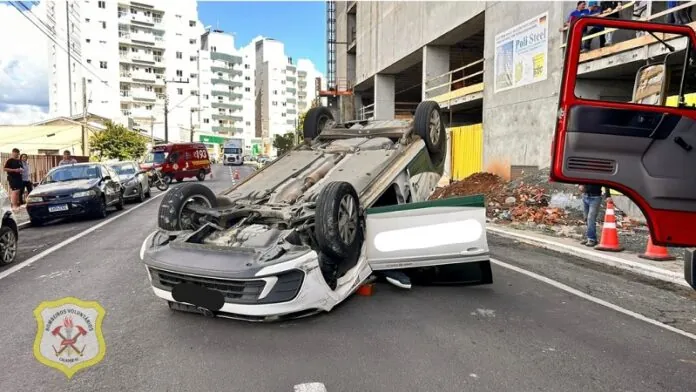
(610,237)
(656,253)
(366,290)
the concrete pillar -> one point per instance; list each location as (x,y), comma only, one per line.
(385,93)
(436,61)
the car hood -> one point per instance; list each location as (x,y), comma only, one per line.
(126,177)
(65,186)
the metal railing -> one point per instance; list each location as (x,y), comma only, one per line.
(648,17)
(446,82)
(367,112)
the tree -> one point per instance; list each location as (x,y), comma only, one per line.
(118,142)
(283,143)
(300,127)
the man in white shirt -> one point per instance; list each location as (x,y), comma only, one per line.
(67,159)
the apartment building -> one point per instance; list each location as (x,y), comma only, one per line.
(307,76)
(254,144)
(275,92)
(221,101)
(135,57)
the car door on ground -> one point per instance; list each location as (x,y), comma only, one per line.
(426,234)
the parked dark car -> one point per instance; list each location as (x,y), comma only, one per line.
(82,189)
(133,180)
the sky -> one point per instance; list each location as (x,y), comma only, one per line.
(300,26)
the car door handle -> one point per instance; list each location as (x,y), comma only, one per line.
(682,143)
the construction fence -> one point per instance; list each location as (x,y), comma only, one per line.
(39,165)
(466,150)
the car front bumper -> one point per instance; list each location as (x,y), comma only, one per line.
(131,191)
(289,289)
(75,207)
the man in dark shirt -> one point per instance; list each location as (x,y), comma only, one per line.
(595,10)
(13,167)
(592,200)
(607,7)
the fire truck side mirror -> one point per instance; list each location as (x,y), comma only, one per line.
(651,84)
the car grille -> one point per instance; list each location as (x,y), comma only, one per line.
(235,291)
(56,197)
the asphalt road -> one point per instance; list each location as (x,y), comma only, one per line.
(518,334)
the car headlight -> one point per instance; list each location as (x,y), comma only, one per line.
(84,193)
(34,199)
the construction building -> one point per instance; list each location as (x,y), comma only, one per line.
(472,58)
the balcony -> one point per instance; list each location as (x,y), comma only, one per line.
(142,57)
(226,117)
(226,105)
(292,90)
(292,111)
(291,122)
(302,74)
(126,76)
(226,57)
(144,77)
(229,71)
(227,130)
(291,79)
(126,96)
(158,60)
(126,17)
(227,82)
(141,113)
(143,95)
(461,86)
(159,79)
(291,100)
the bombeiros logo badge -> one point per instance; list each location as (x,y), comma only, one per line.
(69,336)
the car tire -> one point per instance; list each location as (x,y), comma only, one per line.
(101,212)
(201,175)
(141,193)
(314,122)
(172,208)
(36,222)
(338,229)
(8,245)
(429,126)
(121,202)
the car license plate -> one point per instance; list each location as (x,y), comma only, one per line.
(199,296)
(58,208)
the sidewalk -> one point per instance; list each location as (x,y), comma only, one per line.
(667,271)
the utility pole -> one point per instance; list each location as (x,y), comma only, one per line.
(152,130)
(166,107)
(85,132)
(67,29)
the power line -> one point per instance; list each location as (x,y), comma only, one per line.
(57,44)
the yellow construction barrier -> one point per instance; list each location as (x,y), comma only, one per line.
(467,150)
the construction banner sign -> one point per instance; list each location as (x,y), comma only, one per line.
(69,336)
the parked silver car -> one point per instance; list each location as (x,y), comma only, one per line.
(134,181)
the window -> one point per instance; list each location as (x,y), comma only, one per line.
(88,40)
(247,89)
(194,92)
(192,23)
(192,41)
(179,73)
(179,55)
(193,76)
(248,123)
(102,64)
(102,42)
(247,78)
(89,61)
(148,107)
(103,24)
(180,91)
(206,121)
(89,81)
(86,20)
(206,96)
(101,4)
(193,58)
(213,49)
(282,114)
(275,92)
(274,103)
(247,66)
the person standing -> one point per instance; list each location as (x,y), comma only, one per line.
(586,44)
(13,168)
(592,200)
(607,8)
(67,159)
(26,178)
(640,10)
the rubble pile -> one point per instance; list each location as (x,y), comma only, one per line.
(516,201)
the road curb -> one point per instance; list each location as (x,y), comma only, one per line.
(23,225)
(586,254)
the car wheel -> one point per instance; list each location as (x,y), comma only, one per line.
(201,175)
(148,194)
(120,203)
(338,229)
(36,222)
(141,194)
(429,126)
(101,212)
(174,214)
(315,120)
(8,245)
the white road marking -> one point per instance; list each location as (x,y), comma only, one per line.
(310,387)
(590,298)
(72,239)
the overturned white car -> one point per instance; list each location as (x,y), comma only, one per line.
(303,233)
